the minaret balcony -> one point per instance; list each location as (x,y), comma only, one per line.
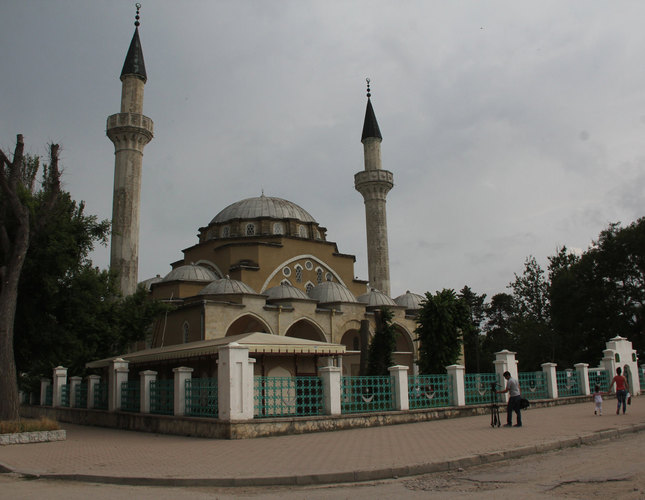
(131,122)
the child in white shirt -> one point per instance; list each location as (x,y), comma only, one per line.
(597,399)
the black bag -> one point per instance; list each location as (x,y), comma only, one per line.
(524,404)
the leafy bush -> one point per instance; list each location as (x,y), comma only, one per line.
(28,425)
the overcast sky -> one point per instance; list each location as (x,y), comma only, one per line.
(512,128)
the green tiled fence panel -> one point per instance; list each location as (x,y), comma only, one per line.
(429,391)
(568,384)
(598,377)
(364,394)
(162,397)
(287,396)
(101,396)
(64,395)
(533,385)
(201,397)
(130,395)
(80,395)
(478,387)
(49,395)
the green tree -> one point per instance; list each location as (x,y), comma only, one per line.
(535,340)
(600,294)
(472,335)
(498,333)
(25,209)
(440,323)
(383,343)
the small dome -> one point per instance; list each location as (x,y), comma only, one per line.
(285,291)
(150,281)
(411,301)
(226,286)
(191,272)
(263,206)
(376,298)
(330,291)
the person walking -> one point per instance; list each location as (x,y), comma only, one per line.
(597,399)
(514,400)
(622,387)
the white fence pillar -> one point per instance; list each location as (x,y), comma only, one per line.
(74,382)
(583,376)
(92,382)
(551,379)
(145,377)
(401,397)
(331,378)
(235,382)
(456,374)
(60,379)
(182,374)
(118,374)
(44,384)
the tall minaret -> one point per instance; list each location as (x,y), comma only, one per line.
(130,131)
(374,183)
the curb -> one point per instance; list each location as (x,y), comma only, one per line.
(346,477)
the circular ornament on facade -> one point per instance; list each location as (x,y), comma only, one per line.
(286,271)
(308,265)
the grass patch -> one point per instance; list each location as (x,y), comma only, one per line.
(28,425)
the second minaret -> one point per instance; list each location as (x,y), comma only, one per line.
(374,183)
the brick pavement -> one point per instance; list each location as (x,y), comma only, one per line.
(110,455)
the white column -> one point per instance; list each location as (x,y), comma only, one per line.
(60,379)
(331,377)
(182,374)
(44,384)
(92,381)
(401,398)
(74,382)
(235,382)
(456,374)
(551,379)
(145,377)
(608,362)
(118,374)
(583,377)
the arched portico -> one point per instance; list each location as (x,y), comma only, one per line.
(306,329)
(246,324)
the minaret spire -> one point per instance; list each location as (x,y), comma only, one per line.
(130,131)
(374,183)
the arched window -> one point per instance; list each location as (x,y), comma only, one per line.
(302,231)
(250,229)
(278,228)
(298,273)
(185,331)
(308,287)
(319,275)
(329,277)
(317,234)
(226,232)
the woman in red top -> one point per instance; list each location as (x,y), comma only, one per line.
(621,390)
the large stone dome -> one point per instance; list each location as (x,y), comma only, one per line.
(263,206)
(376,298)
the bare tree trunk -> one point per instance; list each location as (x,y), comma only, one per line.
(16,228)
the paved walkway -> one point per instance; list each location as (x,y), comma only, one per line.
(125,457)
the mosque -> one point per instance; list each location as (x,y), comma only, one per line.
(262,271)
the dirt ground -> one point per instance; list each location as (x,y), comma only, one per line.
(610,469)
